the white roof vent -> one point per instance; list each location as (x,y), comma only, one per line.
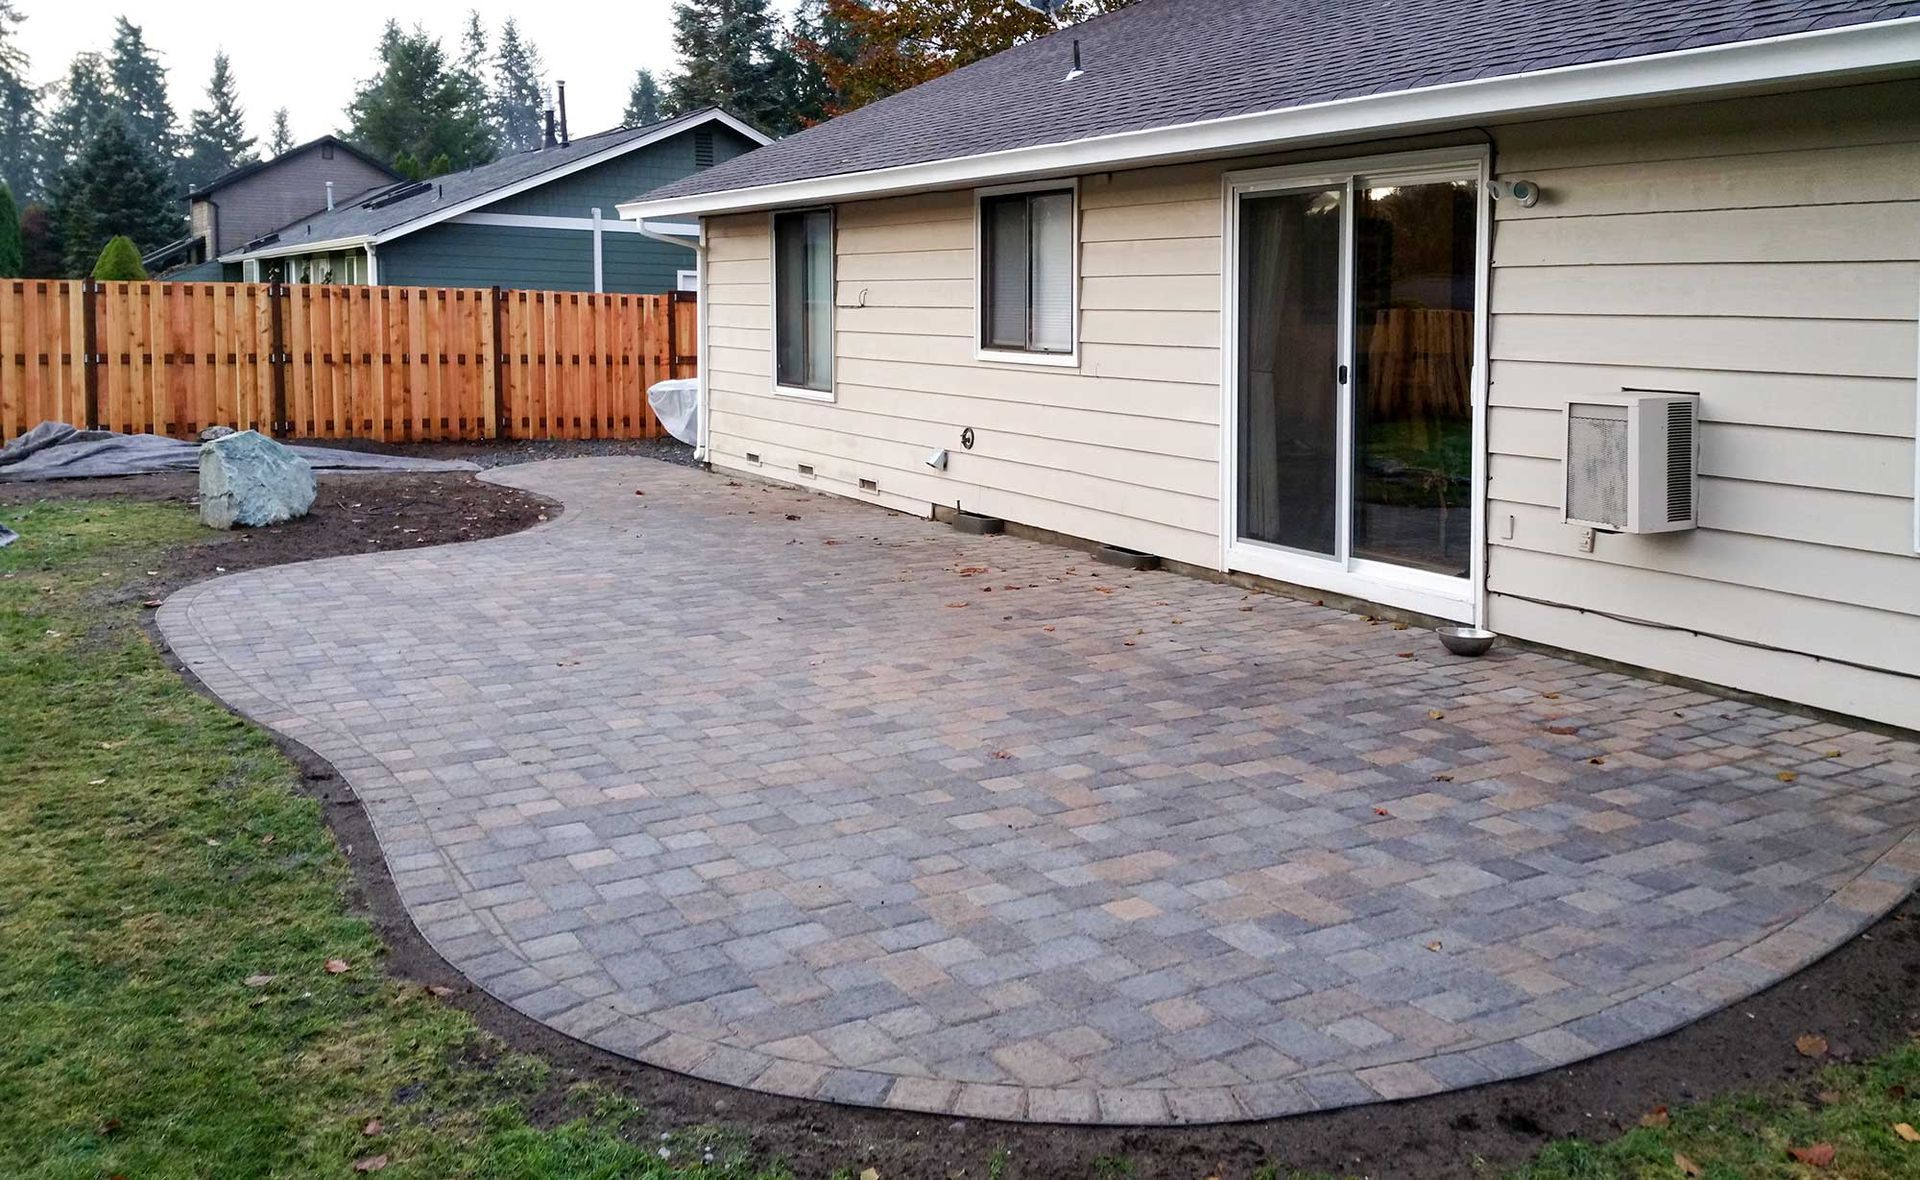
(1632,463)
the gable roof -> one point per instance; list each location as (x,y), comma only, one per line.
(233,175)
(1163,65)
(410,206)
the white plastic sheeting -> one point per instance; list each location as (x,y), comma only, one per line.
(677,404)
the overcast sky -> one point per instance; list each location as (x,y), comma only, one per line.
(307,56)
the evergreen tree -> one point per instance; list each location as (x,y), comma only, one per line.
(281,140)
(119,262)
(732,56)
(19,111)
(518,94)
(138,87)
(116,187)
(417,105)
(39,243)
(217,139)
(643,101)
(12,253)
(82,108)
(819,40)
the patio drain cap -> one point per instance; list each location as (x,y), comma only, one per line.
(973,522)
(1129,559)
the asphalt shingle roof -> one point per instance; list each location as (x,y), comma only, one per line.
(354,220)
(1163,63)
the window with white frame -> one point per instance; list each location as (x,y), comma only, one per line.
(803,302)
(1027,272)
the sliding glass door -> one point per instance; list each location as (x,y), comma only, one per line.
(1354,349)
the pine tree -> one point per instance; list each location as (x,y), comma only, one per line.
(118,186)
(39,243)
(518,94)
(19,112)
(417,105)
(643,101)
(217,139)
(280,142)
(819,39)
(119,262)
(12,252)
(732,57)
(82,108)
(138,87)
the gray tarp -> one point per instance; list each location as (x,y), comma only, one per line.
(55,450)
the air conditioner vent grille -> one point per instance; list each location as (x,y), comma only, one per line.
(1597,467)
(1679,461)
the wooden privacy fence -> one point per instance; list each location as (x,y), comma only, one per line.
(414,364)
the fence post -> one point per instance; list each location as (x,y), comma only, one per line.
(502,427)
(277,359)
(90,360)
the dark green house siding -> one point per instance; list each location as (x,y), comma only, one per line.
(456,255)
(625,178)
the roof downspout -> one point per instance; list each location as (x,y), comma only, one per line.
(703,410)
(599,269)
(373,266)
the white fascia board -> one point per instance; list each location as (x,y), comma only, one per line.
(285,249)
(1827,53)
(667,130)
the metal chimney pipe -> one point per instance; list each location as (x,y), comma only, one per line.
(562,86)
(329,194)
(549,141)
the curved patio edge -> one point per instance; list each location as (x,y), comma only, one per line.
(436,902)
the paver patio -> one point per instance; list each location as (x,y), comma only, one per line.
(787,792)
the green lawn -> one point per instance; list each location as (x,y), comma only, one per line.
(168,905)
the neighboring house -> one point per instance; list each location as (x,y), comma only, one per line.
(253,199)
(540,219)
(1226,282)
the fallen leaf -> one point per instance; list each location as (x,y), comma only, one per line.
(1405,655)
(1830,1097)
(1563,730)
(440,990)
(373,1126)
(1596,761)
(1442,778)
(1552,696)
(337,967)
(1103,589)
(257,980)
(870,1174)
(968,571)
(1897,1092)
(1434,947)
(1003,753)
(793,516)
(1687,1167)
(1399,626)
(372,1163)
(1381,811)
(1048,627)
(95,782)
(1833,753)
(1810,1045)
(1906,1131)
(1817,1156)
(638,492)
(1787,776)
(955,605)
(1657,1117)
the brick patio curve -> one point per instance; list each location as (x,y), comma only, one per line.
(791,793)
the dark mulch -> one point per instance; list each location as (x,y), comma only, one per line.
(1865,995)
(500,454)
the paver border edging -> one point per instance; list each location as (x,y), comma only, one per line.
(466,940)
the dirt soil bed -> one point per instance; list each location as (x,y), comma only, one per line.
(1865,998)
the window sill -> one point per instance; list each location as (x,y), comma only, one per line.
(1057,360)
(812,395)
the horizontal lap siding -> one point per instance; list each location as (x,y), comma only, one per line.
(1764,253)
(1123,449)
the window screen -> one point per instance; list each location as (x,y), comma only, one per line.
(1027,280)
(803,300)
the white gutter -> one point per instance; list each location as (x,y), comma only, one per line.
(1827,53)
(280,250)
(692,236)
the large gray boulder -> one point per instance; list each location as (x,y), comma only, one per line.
(249,479)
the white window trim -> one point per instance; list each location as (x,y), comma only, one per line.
(773,306)
(981,352)
(1460,599)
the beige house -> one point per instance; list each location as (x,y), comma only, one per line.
(1600,333)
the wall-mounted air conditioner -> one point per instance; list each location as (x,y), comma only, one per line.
(1633,463)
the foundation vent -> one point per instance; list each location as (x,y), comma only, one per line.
(753,457)
(806,469)
(869,485)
